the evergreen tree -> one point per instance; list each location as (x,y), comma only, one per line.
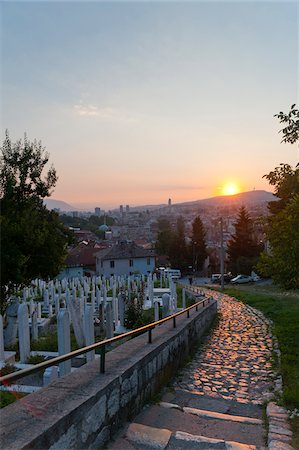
(164,237)
(178,252)
(33,240)
(242,249)
(198,248)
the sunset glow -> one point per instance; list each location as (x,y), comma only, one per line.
(230,189)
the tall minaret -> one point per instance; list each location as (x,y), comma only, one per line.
(169,205)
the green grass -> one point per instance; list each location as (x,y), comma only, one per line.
(7,397)
(283,309)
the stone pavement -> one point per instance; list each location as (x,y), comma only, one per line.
(216,400)
(234,363)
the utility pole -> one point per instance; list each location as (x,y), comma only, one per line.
(221,255)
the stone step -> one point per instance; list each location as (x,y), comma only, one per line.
(143,437)
(212,414)
(198,424)
(217,404)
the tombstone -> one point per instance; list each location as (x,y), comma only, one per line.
(88,328)
(165,305)
(156,311)
(184,298)
(76,318)
(115,310)
(31,307)
(46,299)
(2,354)
(39,310)
(109,321)
(64,340)
(11,329)
(121,309)
(101,319)
(57,304)
(98,296)
(129,288)
(104,295)
(93,300)
(50,310)
(24,334)
(50,375)
(34,326)
(81,301)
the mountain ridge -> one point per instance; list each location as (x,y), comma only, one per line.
(248,197)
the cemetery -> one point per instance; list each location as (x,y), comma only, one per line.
(53,318)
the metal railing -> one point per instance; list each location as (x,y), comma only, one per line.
(8,379)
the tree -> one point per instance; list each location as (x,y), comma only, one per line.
(282,263)
(33,239)
(178,252)
(164,237)
(285,180)
(242,249)
(291,130)
(198,248)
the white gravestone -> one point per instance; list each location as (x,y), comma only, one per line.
(24,333)
(73,306)
(64,340)
(165,305)
(109,321)
(50,375)
(88,328)
(34,326)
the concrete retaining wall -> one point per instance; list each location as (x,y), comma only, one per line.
(84,409)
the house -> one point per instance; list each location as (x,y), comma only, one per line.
(81,260)
(125,258)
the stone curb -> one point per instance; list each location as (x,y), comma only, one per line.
(228,445)
(280,435)
(221,416)
(212,414)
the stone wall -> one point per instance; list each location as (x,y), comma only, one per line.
(84,409)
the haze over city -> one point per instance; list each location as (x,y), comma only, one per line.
(137,102)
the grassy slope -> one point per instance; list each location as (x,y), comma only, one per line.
(283,309)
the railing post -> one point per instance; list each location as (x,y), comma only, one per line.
(174,324)
(150,336)
(188,314)
(203,303)
(196,307)
(102,369)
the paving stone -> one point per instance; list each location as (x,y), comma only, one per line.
(148,436)
(278,445)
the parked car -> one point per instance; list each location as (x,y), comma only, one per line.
(216,278)
(240,279)
(175,274)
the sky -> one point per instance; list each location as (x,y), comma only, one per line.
(138,102)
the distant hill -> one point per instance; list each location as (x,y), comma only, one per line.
(246,198)
(58,204)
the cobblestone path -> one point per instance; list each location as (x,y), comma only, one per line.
(234,363)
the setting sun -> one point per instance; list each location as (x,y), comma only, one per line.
(230,189)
